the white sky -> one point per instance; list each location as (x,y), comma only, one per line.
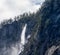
(11,8)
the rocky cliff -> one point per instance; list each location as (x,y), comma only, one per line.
(45,37)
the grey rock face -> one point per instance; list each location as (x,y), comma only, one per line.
(47,40)
(44,28)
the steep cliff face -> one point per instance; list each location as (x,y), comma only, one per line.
(44,28)
(10,32)
(45,37)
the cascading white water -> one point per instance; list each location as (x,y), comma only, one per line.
(23,40)
(23,35)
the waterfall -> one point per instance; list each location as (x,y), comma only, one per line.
(23,35)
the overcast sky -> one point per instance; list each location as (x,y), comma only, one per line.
(11,8)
